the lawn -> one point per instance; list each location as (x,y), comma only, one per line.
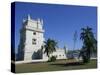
(54,66)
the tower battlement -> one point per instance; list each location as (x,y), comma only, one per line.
(35,23)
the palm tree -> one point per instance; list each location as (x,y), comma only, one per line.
(50,46)
(89,43)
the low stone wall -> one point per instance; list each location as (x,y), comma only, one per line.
(28,61)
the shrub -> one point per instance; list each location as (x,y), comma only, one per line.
(52,59)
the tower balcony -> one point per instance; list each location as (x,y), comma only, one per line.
(34,29)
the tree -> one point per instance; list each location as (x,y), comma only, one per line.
(50,46)
(89,44)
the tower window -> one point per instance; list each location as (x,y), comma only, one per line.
(33,41)
(34,33)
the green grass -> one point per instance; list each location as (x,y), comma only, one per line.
(54,66)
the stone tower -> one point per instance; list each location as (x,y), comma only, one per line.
(31,39)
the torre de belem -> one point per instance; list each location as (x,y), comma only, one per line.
(32,40)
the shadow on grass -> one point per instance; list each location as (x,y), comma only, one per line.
(68,64)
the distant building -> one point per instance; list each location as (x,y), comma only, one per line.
(31,41)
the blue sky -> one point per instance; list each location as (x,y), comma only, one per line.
(60,21)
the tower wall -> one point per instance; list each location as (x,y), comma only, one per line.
(32,47)
(33,39)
